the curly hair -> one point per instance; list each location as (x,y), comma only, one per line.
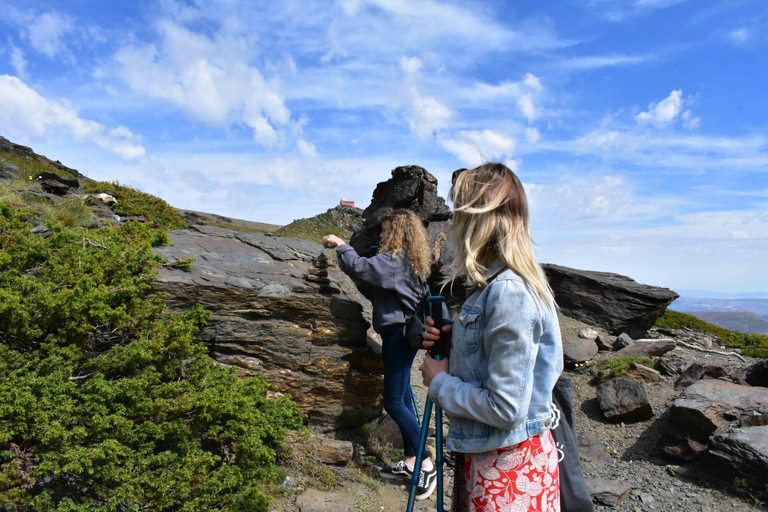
(408,233)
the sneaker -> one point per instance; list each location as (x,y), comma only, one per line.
(427,483)
(397,471)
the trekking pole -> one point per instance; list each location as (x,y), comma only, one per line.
(415,407)
(438,351)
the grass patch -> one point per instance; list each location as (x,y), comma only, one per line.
(610,368)
(71,212)
(132,202)
(238,227)
(758,343)
(29,167)
(315,228)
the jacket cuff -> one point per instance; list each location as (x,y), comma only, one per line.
(344,248)
(434,386)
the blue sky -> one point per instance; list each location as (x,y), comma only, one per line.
(639,127)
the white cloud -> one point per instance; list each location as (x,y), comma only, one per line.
(18,62)
(209,77)
(740,36)
(527,107)
(46,32)
(27,114)
(426,115)
(689,121)
(306,149)
(602,61)
(475,147)
(532,135)
(663,113)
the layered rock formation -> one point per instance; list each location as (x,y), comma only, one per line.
(612,301)
(281,309)
(409,187)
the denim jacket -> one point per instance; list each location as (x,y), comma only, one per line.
(505,358)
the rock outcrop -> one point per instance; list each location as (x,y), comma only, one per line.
(281,308)
(741,453)
(409,187)
(611,301)
(708,408)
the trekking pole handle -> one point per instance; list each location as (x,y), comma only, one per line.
(441,348)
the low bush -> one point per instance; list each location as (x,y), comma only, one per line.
(132,202)
(106,400)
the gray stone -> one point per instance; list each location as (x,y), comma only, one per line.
(757,374)
(624,400)
(608,492)
(604,342)
(690,375)
(578,350)
(623,341)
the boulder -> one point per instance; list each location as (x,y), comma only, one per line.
(611,301)
(623,341)
(757,374)
(588,333)
(741,453)
(410,187)
(282,309)
(690,375)
(56,183)
(578,350)
(647,348)
(707,408)
(608,492)
(604,342)
(623,399)
(642,373)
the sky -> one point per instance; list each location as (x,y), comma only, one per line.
(638,127)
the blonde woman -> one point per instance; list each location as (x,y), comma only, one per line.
(506,353)
(395,281)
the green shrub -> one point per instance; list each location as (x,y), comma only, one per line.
(677,320)
(106,400)
(610,368)
(132,202)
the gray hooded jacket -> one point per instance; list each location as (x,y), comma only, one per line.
(389,283)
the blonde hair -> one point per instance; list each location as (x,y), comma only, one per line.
(491,221)
(407,232)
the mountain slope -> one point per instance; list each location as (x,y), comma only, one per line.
(739,321)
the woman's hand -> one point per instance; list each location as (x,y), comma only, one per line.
(430,368)
(332,241)
(432,334)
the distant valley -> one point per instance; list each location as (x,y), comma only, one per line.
(748,315)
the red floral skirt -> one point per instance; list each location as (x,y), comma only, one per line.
(520,478)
